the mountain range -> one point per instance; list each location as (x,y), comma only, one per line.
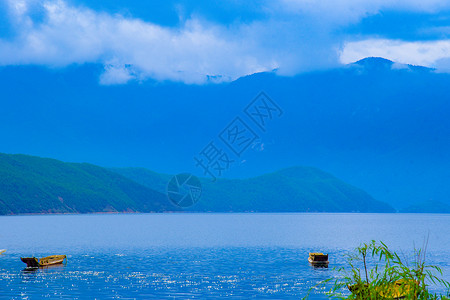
(375,124)
(295,189)
(40,185)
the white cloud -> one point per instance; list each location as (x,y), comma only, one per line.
(117,74)
(423,53)
(294,36)
(79,35)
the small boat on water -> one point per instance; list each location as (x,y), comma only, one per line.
(33,262)
(318,259)
(2,251)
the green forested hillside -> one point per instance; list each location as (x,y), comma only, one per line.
(297,189)
(40,185)
(146,177)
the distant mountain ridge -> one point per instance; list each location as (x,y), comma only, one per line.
(296,189)
(31,184)
(380,63)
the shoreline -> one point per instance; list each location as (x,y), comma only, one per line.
(224,212)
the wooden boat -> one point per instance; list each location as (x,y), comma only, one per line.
(2,251)
(318,259)
(399,289)
(33,262)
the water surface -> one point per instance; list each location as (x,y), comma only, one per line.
(179,256)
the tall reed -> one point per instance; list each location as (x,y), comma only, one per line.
(376,272)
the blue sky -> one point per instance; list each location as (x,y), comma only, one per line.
(202,41)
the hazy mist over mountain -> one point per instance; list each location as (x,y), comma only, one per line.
(378,125)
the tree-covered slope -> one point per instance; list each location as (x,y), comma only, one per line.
(39,185)
(297,189)
(146,177)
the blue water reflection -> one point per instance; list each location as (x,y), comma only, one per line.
(199,256)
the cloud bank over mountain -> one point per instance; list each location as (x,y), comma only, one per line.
(213,44)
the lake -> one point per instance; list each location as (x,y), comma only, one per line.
(198,256)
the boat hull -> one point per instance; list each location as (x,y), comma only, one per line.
(33,262)
(318,259)
(318,263)
(52,260)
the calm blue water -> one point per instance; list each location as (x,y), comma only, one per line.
(180,256)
